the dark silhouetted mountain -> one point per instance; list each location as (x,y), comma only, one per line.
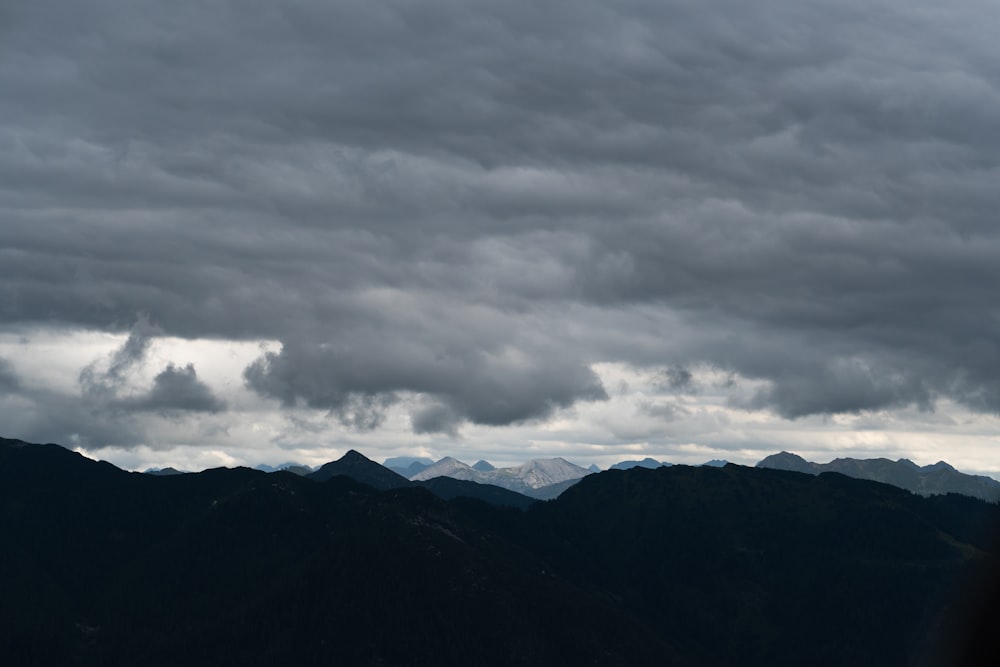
(644,463)
(667,566)
(767,567)
(361,469)
(449,488)
(301,471)
(927,480)
(483,466)
(241,567)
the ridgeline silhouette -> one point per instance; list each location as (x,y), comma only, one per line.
(670,566)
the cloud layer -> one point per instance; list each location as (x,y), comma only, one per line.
(460,208)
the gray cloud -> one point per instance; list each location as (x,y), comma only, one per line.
(679,378)
(175,389)
(435,419)
(845,386)
(667,411)
(10,383)
(98,382)
(475,202)
(469,383)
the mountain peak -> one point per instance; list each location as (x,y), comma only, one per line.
(447,467)
(362,469)
(786,461)
(451,459)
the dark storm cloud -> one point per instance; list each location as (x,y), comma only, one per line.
(494,387)
(474,202)
(435,419)
(41,415)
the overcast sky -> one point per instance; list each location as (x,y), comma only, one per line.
(255,232)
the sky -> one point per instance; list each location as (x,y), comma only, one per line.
(235,233)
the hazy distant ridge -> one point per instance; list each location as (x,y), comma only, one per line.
(526,478)
(926,480)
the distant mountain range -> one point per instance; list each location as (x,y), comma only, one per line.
(653,463)
(517,486)
(644,463)
(545,479)
(361,469)
(687,566)
(923,480)
(164,471)
(528,478)
(295,468)
(407,466)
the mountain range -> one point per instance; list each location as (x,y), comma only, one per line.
(923,480)
(644,463)
(705,566)
(359,468)
(534,479)
(527,479)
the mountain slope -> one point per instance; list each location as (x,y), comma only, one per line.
(767,567)
(449,488)
(241,567)
(551,491)
(449,467)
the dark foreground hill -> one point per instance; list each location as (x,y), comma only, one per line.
(675,566)
(241,567)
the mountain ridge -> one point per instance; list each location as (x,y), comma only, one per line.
(525,478)
(683,565)
(934,479)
